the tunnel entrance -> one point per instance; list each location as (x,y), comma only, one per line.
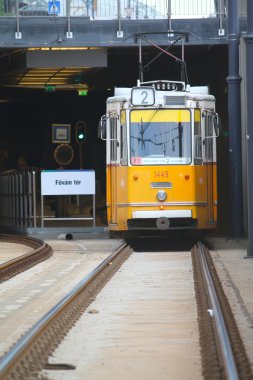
(27,116)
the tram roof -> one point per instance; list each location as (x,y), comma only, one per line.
(197,93)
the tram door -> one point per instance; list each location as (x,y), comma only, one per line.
(209,159)
(113,167)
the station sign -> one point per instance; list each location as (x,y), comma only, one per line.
(68,182)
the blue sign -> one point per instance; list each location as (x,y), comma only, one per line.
(54,7)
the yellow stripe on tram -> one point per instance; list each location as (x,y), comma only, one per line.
(156,115)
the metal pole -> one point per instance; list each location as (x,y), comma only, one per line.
(34,199)
(81,155)
(249,86)
(146,10)
(69,34)
(17,35)
(183,73)
(140,61)
(234,121)
(94,210)
(42,210)
(169,15)
(221,12)
(119,32)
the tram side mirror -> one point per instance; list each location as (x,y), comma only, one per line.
(102,128)
(216,125)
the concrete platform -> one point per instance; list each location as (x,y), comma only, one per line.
(54,232)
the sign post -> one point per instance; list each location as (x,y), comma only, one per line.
(67,182)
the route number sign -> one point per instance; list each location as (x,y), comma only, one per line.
(143,96)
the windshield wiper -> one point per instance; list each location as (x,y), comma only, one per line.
(145,126)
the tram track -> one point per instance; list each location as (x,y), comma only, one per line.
(30,354)
(223,351)
(222,358)
(41,251)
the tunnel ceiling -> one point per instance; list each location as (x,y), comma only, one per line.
(122,67)
(67,69)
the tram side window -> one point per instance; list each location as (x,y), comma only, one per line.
(197,139)
(209,137)
(123,139)
(113,138)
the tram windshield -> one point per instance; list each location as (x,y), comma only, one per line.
(160,137)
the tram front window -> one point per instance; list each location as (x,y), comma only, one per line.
(160,137)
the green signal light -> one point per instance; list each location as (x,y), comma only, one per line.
(81,133)
(83,92)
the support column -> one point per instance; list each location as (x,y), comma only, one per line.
(249,87)
(234,121)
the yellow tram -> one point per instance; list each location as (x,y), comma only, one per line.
(161,157)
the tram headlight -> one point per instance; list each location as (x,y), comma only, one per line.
(161,195)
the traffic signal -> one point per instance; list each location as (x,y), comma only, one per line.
(81,132)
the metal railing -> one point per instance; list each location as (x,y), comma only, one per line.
(113,9)
(18,198)
(22,206)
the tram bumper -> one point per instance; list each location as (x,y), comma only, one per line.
(161,219)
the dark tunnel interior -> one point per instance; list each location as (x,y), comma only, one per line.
(27,115)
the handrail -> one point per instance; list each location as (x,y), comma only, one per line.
(22,201)
(125,9)
(18,198)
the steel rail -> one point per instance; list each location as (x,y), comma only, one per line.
(21,239)
(20,349)
(11,267)
(225,346)
(20,258)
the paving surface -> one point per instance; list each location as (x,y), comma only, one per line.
(9,251)
(142,325)
(24,299)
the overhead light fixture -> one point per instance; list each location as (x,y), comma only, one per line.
(64,48)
